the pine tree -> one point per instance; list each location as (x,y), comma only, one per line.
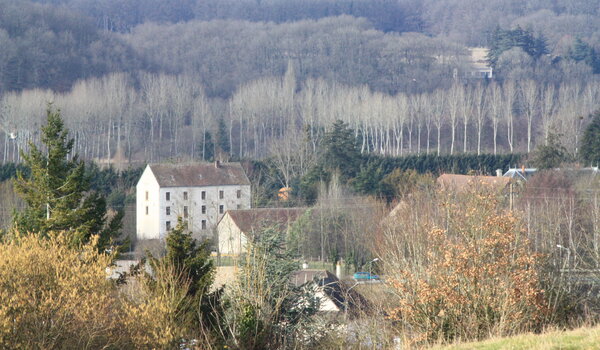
(504,40)
(590,143)
(57,192)
(207,148)
(551,155)
(340,150)
(582,51)
(193,260)
(222,138)
(192,268)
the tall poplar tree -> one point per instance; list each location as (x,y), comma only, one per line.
(57,192)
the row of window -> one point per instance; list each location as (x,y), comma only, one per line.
(186,212)
(169,227)
(202,195)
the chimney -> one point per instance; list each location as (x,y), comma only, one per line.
(217,164)
(499,172)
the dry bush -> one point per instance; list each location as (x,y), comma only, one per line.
(469,273)
(54,297)
(154,314)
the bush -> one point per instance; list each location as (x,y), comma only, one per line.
(474,274)
(155,310)
(54,297)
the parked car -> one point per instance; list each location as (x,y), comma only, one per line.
(365,276)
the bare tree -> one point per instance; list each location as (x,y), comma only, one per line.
(466,100)
(530,103)
(480,109)
(454,100)
(495,98)
(509,90)
(439,104)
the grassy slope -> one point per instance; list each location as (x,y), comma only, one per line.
(581,338)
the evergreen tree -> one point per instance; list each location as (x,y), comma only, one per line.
(189,266)
(222,138)
(190,259)
(582,51)
(551,155)
(504,40)
(369,180)
(590,143)
(207,148)
(340,150)
(57,191)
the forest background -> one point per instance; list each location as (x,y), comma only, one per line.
(265,81)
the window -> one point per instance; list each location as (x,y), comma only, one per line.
(239,206)
(203,195)
(204,209)
(168,224)
(185,212)
(185,197)
(168,196)
(239,193)
(204,224)
(221,194)
(146,210)
(220,209)
(146,195)
(168,210)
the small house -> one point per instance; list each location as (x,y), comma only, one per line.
(238,226)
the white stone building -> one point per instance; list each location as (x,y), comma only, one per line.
(199,193)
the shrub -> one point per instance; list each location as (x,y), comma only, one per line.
(52,296)
(473,276)
(155,312)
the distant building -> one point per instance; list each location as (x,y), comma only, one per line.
(520,174)
(480,67)
(335,297)
(237,227)
(585,175)
(200,193)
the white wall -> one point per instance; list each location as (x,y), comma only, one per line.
(147,224)
(194,204)
(231,239)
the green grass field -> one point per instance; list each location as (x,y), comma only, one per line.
(581,338)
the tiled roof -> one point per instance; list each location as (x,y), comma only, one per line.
(199,174)
(465,182)
(251,220)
